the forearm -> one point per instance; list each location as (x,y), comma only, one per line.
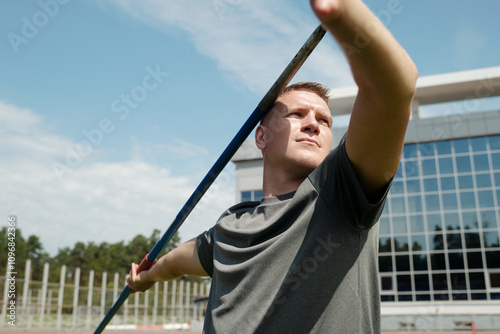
(378,63)
(181,261)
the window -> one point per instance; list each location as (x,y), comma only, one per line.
(478,144)
(439,282)
(470,220)
(454,241)
(483,180)
(436,242)
(251,195)
(463,164)
(385,245)
(412,186)
(451,221)
(432,202)
(401,244)
(443,147)
(458,281)
(474,260)
(402,263)
(493,259)
(465,182)
(467,200)
(386,283)
(477,281)
(448,183)
(472,240)
(399,225)
(481,162)
(429,167)
(446,165)
(438,262)
(495,280)
(430,184)
(491,239)
(417,223)
(434,223)
(450,202)
(398,205)
(415,203)
(419,262)
(485,198)
(404,282)
(456,260)
(410,151)
(488,219)
(461,145)
(385,263)
(397,187)
(494,142)
(427,149)
(495,159)
(422,282)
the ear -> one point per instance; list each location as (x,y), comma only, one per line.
(260,137)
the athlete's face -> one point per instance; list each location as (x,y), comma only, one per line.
(297,134)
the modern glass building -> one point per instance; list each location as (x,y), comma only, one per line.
(439,260)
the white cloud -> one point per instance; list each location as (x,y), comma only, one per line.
(97,201)
(251,41)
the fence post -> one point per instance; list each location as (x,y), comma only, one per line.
(103,293)
(155,303)
(146,304)
(173,302)
(181,301)
(89,299)
(26,286)
(187,304)
(75,297)
(60,297)
(115,292)
(136,308)
(44,292)
(165,301)
(125,309)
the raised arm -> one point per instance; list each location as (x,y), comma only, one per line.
(386,78)
(181,261)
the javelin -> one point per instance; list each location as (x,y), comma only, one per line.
(264,106)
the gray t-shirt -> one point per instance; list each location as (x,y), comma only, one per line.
(304,262)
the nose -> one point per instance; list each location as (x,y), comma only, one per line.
(310,124)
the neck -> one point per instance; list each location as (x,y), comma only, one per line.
(278,182)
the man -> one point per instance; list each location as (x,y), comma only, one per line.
(304,259)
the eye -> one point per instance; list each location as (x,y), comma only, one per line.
(295,114)
(324,121)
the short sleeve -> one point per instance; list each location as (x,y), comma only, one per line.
(205,248)
(338,185)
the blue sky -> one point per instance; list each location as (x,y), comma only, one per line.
(158,89)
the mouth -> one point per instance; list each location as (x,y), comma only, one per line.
(308,141)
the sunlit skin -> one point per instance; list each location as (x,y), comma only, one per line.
(294,139)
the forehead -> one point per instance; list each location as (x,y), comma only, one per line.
(301,99)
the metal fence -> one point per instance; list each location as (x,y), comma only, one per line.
(72,304)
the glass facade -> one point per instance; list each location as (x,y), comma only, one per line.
(440,228)
(439,232)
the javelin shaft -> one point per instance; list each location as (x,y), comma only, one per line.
(264,106)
